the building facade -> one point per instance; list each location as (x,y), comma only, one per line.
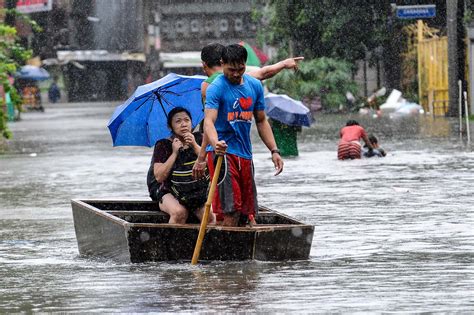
(105,49)
(190,25)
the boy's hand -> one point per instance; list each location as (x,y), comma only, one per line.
(278,162)
(220,148)
(199,168)
(292,63)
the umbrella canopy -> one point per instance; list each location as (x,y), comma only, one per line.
(142,119)
(32,73)
(287,110)
(252,58)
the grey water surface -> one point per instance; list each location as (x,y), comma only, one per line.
(391,234)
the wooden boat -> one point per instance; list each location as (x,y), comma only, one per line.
(137,231)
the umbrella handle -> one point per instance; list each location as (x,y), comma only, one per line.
(205,217)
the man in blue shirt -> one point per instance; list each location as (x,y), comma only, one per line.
(232,101)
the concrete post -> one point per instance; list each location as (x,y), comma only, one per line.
(451,23)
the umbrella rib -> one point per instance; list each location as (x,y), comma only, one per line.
(171,85)
(158,96)
(148,125)
(146,100)
(178,93)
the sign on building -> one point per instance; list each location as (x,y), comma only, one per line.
(416,11)
(31,6)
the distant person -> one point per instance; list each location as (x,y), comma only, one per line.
(233,100)
(349,145)
(170,179)
(54,94)
(149,78)
(37,96)
(377,151)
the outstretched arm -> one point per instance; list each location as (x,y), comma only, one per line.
(266,134)
(367,142)
(271,70)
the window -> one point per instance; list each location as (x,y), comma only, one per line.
(180,26)
(194,26)
(223,25)
(209,26)
(238,25)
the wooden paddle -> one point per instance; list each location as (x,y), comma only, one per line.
(205,216)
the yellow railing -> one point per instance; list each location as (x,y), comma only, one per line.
(432,56)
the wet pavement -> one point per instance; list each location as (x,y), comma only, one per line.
(391,234)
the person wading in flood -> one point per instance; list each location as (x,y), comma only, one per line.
(349,146)
(232,100)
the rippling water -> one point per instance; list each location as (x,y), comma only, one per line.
(391,234)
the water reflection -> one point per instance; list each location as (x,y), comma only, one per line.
(391,234)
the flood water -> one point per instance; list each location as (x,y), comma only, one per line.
(391,234)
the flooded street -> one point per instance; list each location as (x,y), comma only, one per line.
(391,234)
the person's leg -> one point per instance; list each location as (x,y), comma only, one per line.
(177,212)
(355,150)
(200,212)
(216,202)
(249,190)
(343,151)
(229,191)
(231,219)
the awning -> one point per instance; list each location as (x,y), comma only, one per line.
(65,56)
(185,59)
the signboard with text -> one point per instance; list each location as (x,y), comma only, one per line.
(416,11)
(31,6)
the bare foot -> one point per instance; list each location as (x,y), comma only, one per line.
(252,221)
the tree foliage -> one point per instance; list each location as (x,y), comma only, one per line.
(345,29)
(326,78)
(12,54)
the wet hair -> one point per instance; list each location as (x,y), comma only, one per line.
(234,54)
(174,111)
(212,54)
(373,139)
(352,122)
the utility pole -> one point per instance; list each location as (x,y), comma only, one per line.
(454,11)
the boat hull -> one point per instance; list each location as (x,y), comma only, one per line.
(136,231)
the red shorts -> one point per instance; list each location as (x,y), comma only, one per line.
(236,186)
(348,150)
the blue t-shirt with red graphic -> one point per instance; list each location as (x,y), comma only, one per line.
(235,104)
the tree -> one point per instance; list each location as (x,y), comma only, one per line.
(326,78)
(12,54)
(326,28)
(351,30)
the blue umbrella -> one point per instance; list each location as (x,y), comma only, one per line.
(142,119)
(287,110)
(29,72)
